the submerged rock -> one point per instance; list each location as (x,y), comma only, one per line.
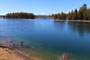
(65,56)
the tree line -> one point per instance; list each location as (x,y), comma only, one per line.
(20,15)
(82,14)
(43,16)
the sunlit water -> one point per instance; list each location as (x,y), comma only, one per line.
(47,39)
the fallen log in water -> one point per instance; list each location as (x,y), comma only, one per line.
(6,44)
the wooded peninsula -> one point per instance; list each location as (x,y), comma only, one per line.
(20,15)
(82,14)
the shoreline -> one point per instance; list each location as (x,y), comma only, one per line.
(73,20)
(18,19)
(22,54)
(8,54)
(56,20)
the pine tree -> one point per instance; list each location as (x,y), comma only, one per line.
(76,14)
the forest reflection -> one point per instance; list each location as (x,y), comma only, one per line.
(80,27)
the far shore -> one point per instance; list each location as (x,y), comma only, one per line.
(18,19)
(73,20)
(55,20)
(27,19)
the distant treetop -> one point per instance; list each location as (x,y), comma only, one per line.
(84,7)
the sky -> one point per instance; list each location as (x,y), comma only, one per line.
(39,7)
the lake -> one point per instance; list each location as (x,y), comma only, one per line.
(45,39)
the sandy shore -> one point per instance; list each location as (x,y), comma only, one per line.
(73,20)
(7,54)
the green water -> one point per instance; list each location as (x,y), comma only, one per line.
(47,39)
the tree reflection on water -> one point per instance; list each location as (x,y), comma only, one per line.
(80,27)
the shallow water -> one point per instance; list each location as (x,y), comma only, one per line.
(47,39)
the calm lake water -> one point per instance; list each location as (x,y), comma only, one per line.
(46,39)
